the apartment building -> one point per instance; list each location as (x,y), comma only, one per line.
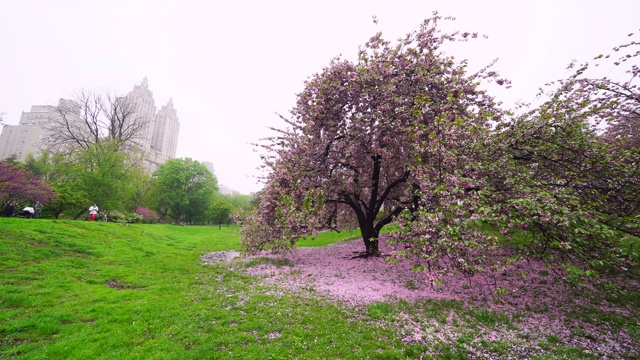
(157,141)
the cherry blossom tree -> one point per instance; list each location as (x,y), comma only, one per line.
(570,174)
(620,98)
(404,135)
(370,140)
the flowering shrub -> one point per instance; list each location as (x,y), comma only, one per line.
(148,216)
(18,185)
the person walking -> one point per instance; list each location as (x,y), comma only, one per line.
(36,209)
(93,210)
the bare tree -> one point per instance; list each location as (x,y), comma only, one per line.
(93,118)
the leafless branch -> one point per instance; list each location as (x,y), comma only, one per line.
(92,118)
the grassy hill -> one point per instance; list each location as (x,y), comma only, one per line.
(81,290)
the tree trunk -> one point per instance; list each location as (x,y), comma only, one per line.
(79,214)
(370,238)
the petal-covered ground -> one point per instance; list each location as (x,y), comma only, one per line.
(337,272)
(546,307)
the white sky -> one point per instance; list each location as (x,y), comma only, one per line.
(231,65)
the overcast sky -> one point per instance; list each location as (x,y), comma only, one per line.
(230,66)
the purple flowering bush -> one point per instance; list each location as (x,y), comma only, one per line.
(148,216)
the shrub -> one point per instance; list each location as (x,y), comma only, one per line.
(130,218)
(148,216)
(134,218)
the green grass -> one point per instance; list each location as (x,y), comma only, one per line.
(80,290)
(329,237)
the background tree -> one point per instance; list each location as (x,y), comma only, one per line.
(40,166)
(20,187)
(11,159)
(92,118)
(102,172)
(97,174)
(59,171)
(219,211)
(140,191)
(369,139)
(70,200)
(240,201)
(148,216)
(186,189)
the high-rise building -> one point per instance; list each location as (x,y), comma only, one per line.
(158,139)
(32,134)
(225,190)
(145,111)
(164,140)
(209,165)
(20,141)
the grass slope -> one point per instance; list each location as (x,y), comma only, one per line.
(80,290)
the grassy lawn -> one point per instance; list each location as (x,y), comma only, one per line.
(329,237)
(80,290)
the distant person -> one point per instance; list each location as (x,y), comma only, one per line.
(93,210)
(9,209)
(36,209)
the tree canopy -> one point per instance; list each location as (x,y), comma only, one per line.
(102,174)
(368,138)
(186,189)
(406,135)
(19,186)
(570,174)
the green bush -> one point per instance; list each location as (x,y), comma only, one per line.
(130,218)
(134,218)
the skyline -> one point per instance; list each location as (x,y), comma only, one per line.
(231,67)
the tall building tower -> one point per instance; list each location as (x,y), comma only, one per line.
(164,142)
(142,97)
